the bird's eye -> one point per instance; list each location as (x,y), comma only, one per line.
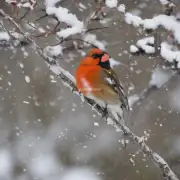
(97,55)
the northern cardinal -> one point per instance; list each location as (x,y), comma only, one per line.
(96,80)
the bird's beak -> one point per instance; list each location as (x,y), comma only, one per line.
(105,58)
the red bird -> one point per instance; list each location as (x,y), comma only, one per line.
(96,80)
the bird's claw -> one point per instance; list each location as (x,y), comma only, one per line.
(73,89)
(105,113)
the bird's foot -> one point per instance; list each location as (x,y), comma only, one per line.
(74,89)
(105,112)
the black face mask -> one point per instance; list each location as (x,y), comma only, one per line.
(105,65)
(95,56)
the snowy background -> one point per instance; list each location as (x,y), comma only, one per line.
(47,133)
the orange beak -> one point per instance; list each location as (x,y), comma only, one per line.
(105,58)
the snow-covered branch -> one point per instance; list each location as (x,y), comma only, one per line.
(168,49)
(69,81)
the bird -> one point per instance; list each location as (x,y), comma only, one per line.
(96,80)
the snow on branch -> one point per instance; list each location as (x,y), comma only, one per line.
(63,15)
(74,25)
(167,22)
(10,37)
(169,52)
(144,45)
(69,81)
(168,6)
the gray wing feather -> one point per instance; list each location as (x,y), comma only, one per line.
(112,79)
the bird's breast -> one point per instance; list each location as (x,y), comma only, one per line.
(86,77)
(86,85)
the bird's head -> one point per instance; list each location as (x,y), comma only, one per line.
(97,57)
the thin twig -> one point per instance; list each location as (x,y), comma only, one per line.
(78,39)
(25,14)
(157,43)
(94,29)
(41,17)
(46,34)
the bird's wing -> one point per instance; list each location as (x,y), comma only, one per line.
(111,79)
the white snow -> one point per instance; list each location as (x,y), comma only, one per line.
(168,51)
(80,174)
(163,162)
(75,26)
(27,79)
(57,70)
(136,21)
(18,36)
(21,65)
(109,80)
(143,43)
(26,102)
(91,38)
(122,8)
(81,5)
(96,124)
(113,62)
(6,164)
(164,2)
(132,161)
(53,51)
(111,3)
(69,31)
(159,77)
(41,30)
(44,166)
(133,49)
(4,36)
(51,3)
(167,22)
(132,99)
(169,54)
(70,19)
(11,1)
(63,15)
(27,5)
